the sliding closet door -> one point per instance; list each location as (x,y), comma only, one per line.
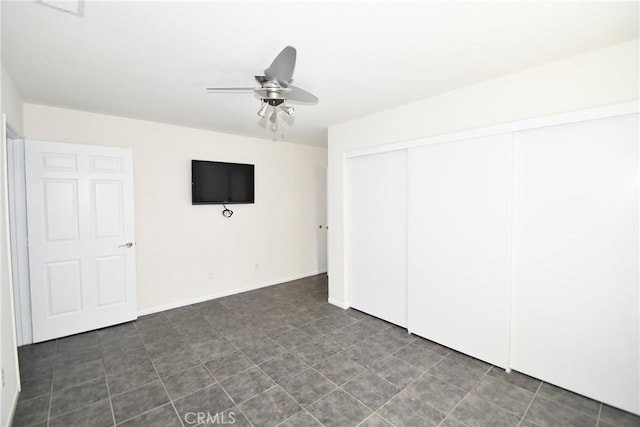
(377,235)
(576,258)
(459,242)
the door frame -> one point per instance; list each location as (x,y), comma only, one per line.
(18,235)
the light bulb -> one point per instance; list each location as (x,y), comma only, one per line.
(262,112)
(287,109)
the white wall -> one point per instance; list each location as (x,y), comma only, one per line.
(187,253)
(602,77)
(12,107)
(12,103)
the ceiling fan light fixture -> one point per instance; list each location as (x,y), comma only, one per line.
(274,116)
(287,109)
(262,112)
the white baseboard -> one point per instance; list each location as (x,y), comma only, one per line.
(14,405)
(339,304)
(146,311)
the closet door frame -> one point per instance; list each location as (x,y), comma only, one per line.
(527,124)
(512,127)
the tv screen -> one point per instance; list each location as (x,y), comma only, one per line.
(221,183)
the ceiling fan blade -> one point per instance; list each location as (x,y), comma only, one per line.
(229,89)
(281,69)
(300,95)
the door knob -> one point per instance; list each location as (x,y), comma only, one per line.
(126,245)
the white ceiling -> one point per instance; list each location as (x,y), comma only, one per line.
(152,60)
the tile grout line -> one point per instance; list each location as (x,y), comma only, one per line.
(142,413)
(53,379)
(427,373)
(380,415)
(599,412)
(135,387)
(365,420)
(288,418)
(512,384)
(167,393)
(373,411)
(304,408)
(465,396)
(65,388)
(79,407)
(414,381)
(175,373)
(486,400)
(564,406)
(498,406)
(106,380)
(219,355)
(571,408)
(535,395)
(454,419)
(236,405)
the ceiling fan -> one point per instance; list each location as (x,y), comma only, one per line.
(275,87)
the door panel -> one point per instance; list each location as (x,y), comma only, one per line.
(80,216)
(61,209)
(575,258)
(106,197)
(59,162)
(106,164)
(111,280)
(64,288)
(377,227)
(459,243)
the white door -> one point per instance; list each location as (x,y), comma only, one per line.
(377,235)
(575,257)
(459,243)
(81,236)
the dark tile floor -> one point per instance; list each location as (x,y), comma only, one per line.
(280,356)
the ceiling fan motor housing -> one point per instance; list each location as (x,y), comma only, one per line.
(273,102)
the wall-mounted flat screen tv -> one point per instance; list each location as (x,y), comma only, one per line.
(220,183)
